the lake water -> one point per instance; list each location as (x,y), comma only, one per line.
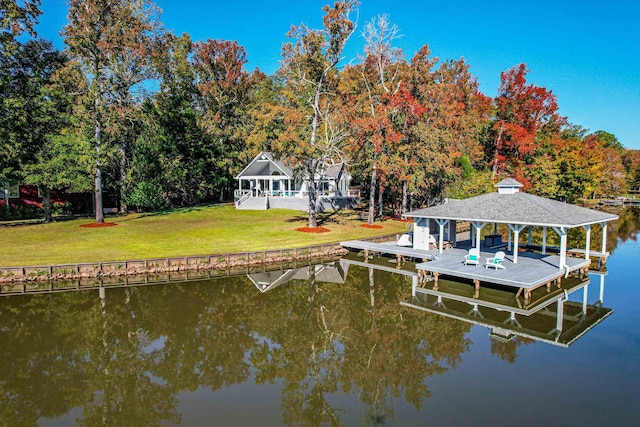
(320,345)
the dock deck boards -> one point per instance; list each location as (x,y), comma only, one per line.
(388,248)
(530,271)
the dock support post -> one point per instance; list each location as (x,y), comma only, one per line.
(478,226)
(544,240)
(588,240)
(560,315)
(472,235)
(399,260)
(516,233)
(602,289)
(441,223)
(585,293)
(562,232)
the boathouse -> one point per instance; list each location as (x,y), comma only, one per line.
(519,211)
(525,268)
(513,208)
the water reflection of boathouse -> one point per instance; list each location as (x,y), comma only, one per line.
(552,317)
(558,315)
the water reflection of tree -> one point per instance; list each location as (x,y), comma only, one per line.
(391,350)
(625,228)
(356,338)
(507,350)
(120,370)
(41,371)
(124,359)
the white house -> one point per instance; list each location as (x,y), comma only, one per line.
(269,183)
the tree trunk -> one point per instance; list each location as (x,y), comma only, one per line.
(495,155)
(380,194)
(372,191)
(123,177)
(98,171)
(98,195)
(311,170)
(46,202)
(404,197)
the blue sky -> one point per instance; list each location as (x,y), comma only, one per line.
(587,52)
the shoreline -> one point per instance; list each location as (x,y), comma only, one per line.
(92,270)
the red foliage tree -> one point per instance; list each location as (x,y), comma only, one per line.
(523,112)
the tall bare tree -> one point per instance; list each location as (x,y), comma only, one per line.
(308,66)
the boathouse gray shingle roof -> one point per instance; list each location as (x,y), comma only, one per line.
(516,208)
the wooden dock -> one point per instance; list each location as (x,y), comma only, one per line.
(350,259)
(531,272)
(373,248)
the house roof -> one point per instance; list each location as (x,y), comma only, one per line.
(259,166)
(330,273)
(333,171)
(516,208)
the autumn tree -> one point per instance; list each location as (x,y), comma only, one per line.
(379,113)
(631,163)
(523,112)
(308,67)
(226,90)
(455,111)
(16,18)
(111,41)
(267,116)
(172,163)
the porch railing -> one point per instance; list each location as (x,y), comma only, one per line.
(243,199)
(242,195)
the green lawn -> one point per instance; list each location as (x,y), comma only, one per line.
(192,231)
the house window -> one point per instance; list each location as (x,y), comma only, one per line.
(14,191)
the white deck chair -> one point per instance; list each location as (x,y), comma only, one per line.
(473,257)
(496,261)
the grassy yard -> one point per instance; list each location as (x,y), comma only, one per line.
(192,231)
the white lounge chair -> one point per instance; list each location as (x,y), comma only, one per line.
(496,261)
(473,257)
(433,243)
(405,240)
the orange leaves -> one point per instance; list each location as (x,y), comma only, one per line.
(527,105)
(526,115)
(219,65)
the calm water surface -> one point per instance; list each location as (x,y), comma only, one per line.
(323,345)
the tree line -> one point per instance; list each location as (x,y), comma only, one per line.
(159,120)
